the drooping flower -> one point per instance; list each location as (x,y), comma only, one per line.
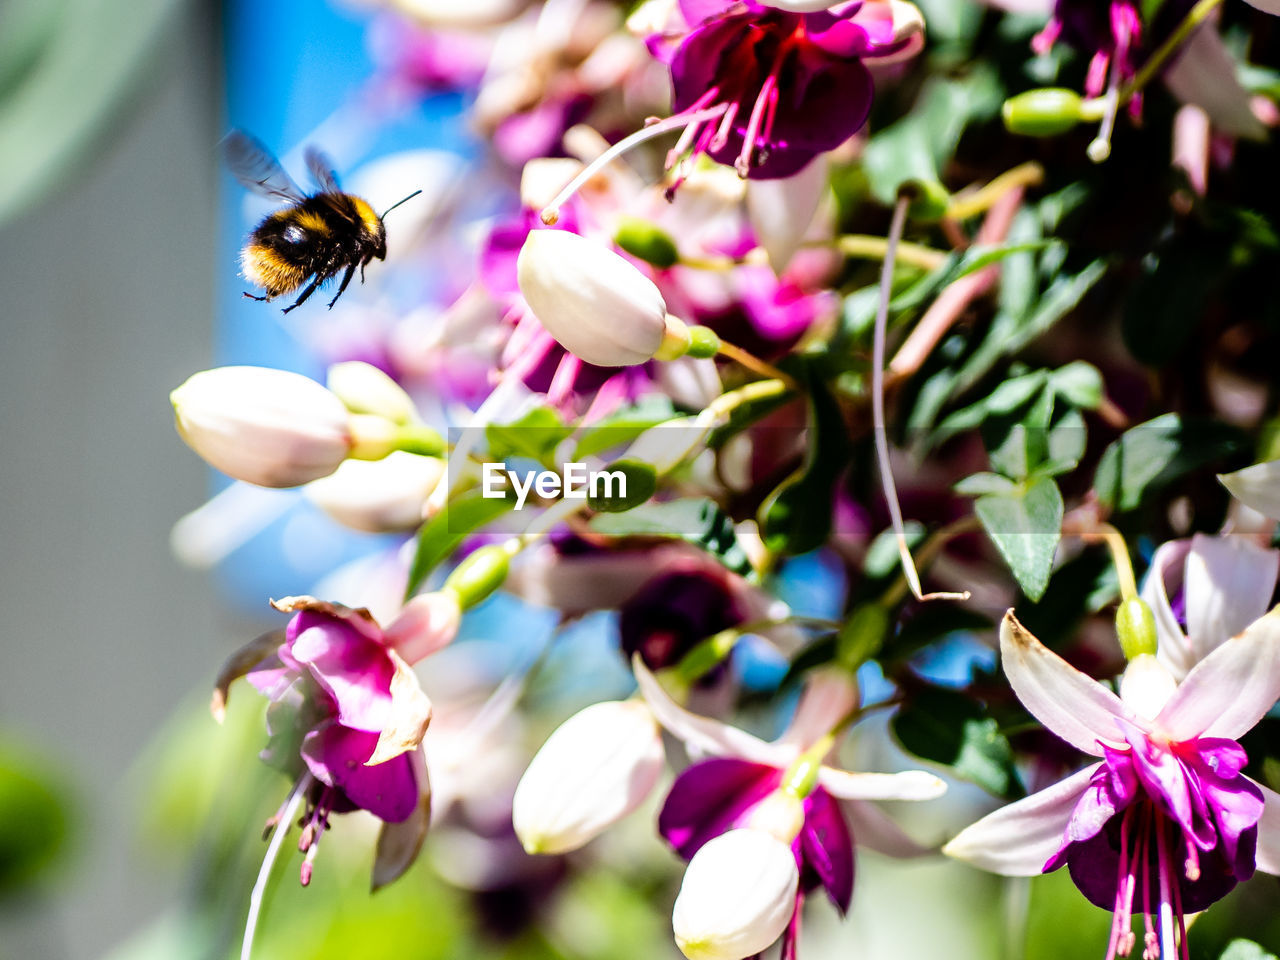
(1205,590)
(1165,823)
(269,427)
(766,89)
(737,896)
(786,789)
(346,719)
(597,767)
(596,304)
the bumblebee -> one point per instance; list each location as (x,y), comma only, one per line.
(312,240)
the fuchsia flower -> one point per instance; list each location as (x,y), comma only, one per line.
(1166,823)
(347,716)
(1111,33)
(746,783)
(765,89)
(1205,590)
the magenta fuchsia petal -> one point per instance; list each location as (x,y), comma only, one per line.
(712,797)
(1017,840)
(702,735)
(336,757)
(1230,690)
(353,669)
(1071,704)
(1229,582)
(827,849)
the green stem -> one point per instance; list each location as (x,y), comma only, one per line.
(866,247)
(1199,13)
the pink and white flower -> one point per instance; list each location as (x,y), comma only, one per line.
(1166,822)
(743,783)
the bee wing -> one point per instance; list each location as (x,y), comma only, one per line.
(253,165)
(321,168)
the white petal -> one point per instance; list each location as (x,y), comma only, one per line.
(1017,840)
(1257,487)
(1228,691)
(908,785)
(1174,649)
(876,830)
(781,210)
(1267,6)
(1205,74)
(378,496)
(1229,585)
(595,303)
(1071,704)
(702,735)
(829,695)
(1269,832)
(363,388)
(737,897)
(596,768)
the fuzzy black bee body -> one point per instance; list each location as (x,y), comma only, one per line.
(311,241)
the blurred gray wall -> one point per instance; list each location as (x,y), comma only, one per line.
(105,305)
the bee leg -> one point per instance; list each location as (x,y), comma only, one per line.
(346,279)
(305,293)
(250,296)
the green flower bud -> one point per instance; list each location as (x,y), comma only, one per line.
(479,575)
(1046,112)
(703,342)
(647,241)
(862,635)
(676,339)
(638,483)
(1136,628)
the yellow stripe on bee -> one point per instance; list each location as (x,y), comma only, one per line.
(262,268)
(371,220)
(312,222)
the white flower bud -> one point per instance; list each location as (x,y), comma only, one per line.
(596,304)
(738,895)
(269,427)
(597,767)
(378,496)
(363,388)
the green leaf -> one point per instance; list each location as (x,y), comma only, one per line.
(882,556)
(1147,457)
(1241,949)
(949,728)
(443,533)
(696,520)
(918,145)
(983,484)
(796,517)
(623,426)
(535,436)
(1025,528)
(641,482)
(1079,383)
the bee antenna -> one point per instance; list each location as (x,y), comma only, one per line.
(398,202)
